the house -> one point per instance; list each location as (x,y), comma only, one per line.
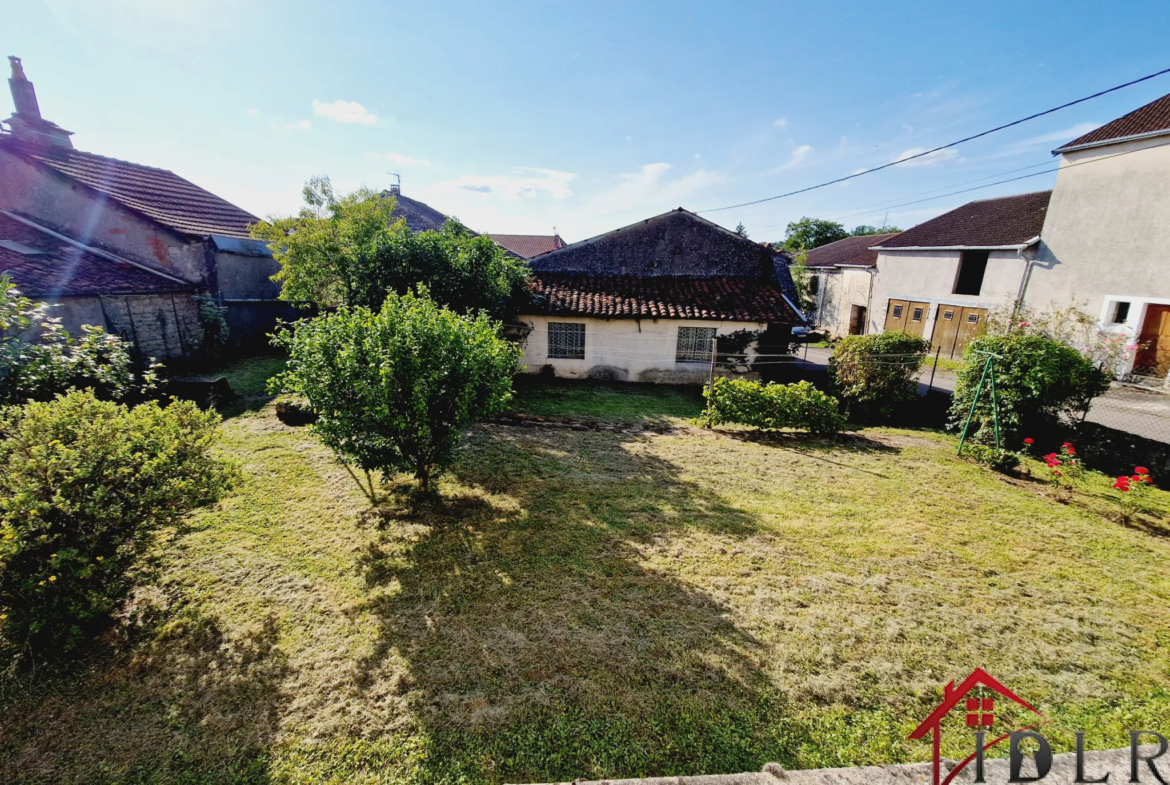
(840,283)
(1105,243)
(940,279)
(527,246)
(645,302)
(150,219)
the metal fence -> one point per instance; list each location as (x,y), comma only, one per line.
(1132,409)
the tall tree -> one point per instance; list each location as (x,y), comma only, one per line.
(809,233)
(741,230)
(866,229)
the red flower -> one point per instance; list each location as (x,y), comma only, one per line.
(1141,470)
(1121,484)
(1029,441)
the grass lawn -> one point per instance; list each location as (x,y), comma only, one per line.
(603,604)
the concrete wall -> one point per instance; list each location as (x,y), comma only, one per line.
(640,350)
(162,326)
(840,289)
(246,277)
(1106,235)
(929,276)
(58,203)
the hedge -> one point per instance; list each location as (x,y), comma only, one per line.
(801,406)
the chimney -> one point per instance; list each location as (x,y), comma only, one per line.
(26,122)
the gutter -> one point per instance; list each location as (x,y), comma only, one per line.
(1106,142)
(1016,247)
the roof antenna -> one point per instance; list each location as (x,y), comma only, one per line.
(886,220)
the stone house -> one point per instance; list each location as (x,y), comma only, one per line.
(149,218)
(840,284)
(645,302)
(940,279)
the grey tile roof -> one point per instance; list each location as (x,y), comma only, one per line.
(851,250)
(1006,221)
(1151,118)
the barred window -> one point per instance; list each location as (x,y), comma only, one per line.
(566,341)
(694,344)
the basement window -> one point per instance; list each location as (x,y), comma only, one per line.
(694,344)
(972,266)
(566,341)
(1120,313)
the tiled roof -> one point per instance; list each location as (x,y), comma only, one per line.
(157,193)
(851,250)
(528,245)
(660,297)
(1008,220)
(420,217)
(41,265)
(1149,119)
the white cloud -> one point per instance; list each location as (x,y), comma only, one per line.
(697,156)
(404,160)
(300,125)
(780,122)
(934,159)
(648,191)
(252,112)
(344,112)
(525,184)
(799,155)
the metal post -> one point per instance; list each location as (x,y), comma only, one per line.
(930,386)
(804,360)
(711,380)
(970,414)
(994,403)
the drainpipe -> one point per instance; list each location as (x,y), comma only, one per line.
(1026,277)
(869,301)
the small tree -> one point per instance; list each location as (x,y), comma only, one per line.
(396,388)
(866,229)
(801,279)
(874,375)
(1037,380)
(809,233)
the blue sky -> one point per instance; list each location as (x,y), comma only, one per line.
(521,116)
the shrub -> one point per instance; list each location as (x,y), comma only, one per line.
(769,406)
(874,375)
(84,484)
(999,460)
(40,359)
(395,389)
(1133,493)
(1037,380)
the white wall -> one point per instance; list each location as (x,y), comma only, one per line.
(929,276)
(840,289)
(1107,230)
(626,349)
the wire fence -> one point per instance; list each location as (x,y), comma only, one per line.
(1136,410)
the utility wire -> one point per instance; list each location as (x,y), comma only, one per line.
(942,147)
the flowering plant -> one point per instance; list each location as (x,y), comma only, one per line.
(1133,493)
(1065,467)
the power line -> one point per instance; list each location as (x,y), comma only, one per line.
(942,147)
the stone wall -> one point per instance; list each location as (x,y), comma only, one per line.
(159,325)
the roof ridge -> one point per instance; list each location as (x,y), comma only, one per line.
(75,151)
(998,198)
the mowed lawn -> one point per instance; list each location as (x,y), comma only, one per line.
(593,604)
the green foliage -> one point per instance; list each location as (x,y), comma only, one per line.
(213,319)
(874,375)
(866,229)
(741,230)
(731,348)
(999,460)
(84,484)
(769,406)
(809,233)
(396,388)
(40,359)
(798,269)
(1037,380)
(351,251)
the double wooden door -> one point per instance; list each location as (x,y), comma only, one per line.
(906,316)
(955,327)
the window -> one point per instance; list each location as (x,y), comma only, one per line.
(948,315)
(897,312)
(972,266)
(972,318)
(566,341)
(694,344)
(1120,312)
(917,317)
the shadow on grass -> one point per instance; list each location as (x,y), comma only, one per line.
(540,644)
(191,706)
(249,377)
(624,401)
(812,446)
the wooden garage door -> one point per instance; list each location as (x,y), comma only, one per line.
(907,316)
(955,327)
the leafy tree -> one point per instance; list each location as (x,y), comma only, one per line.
(809,233)
(801,277)
(396,388)
(873,375)
(741,230)
(866,229)
(85,485)
(352,251)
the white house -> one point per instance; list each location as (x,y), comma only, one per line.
(841,284)
(645,302)
(939,279)
(1105,243)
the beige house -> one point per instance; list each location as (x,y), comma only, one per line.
(1105,243)
(940,279)
(646,302)
(841,284)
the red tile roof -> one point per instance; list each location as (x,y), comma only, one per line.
(987,223)
(43,266)
(157,193)
(851,250)
(1149,119)
(661,297)
(528,245)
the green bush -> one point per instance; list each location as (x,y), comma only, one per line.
(1037,380)
(873,375)
(396,388)
(84,484)
(999,460)
(769,406)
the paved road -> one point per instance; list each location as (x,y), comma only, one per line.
(1137,410)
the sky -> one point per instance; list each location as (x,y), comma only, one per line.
(518,117)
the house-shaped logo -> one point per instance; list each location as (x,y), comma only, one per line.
(980,713)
